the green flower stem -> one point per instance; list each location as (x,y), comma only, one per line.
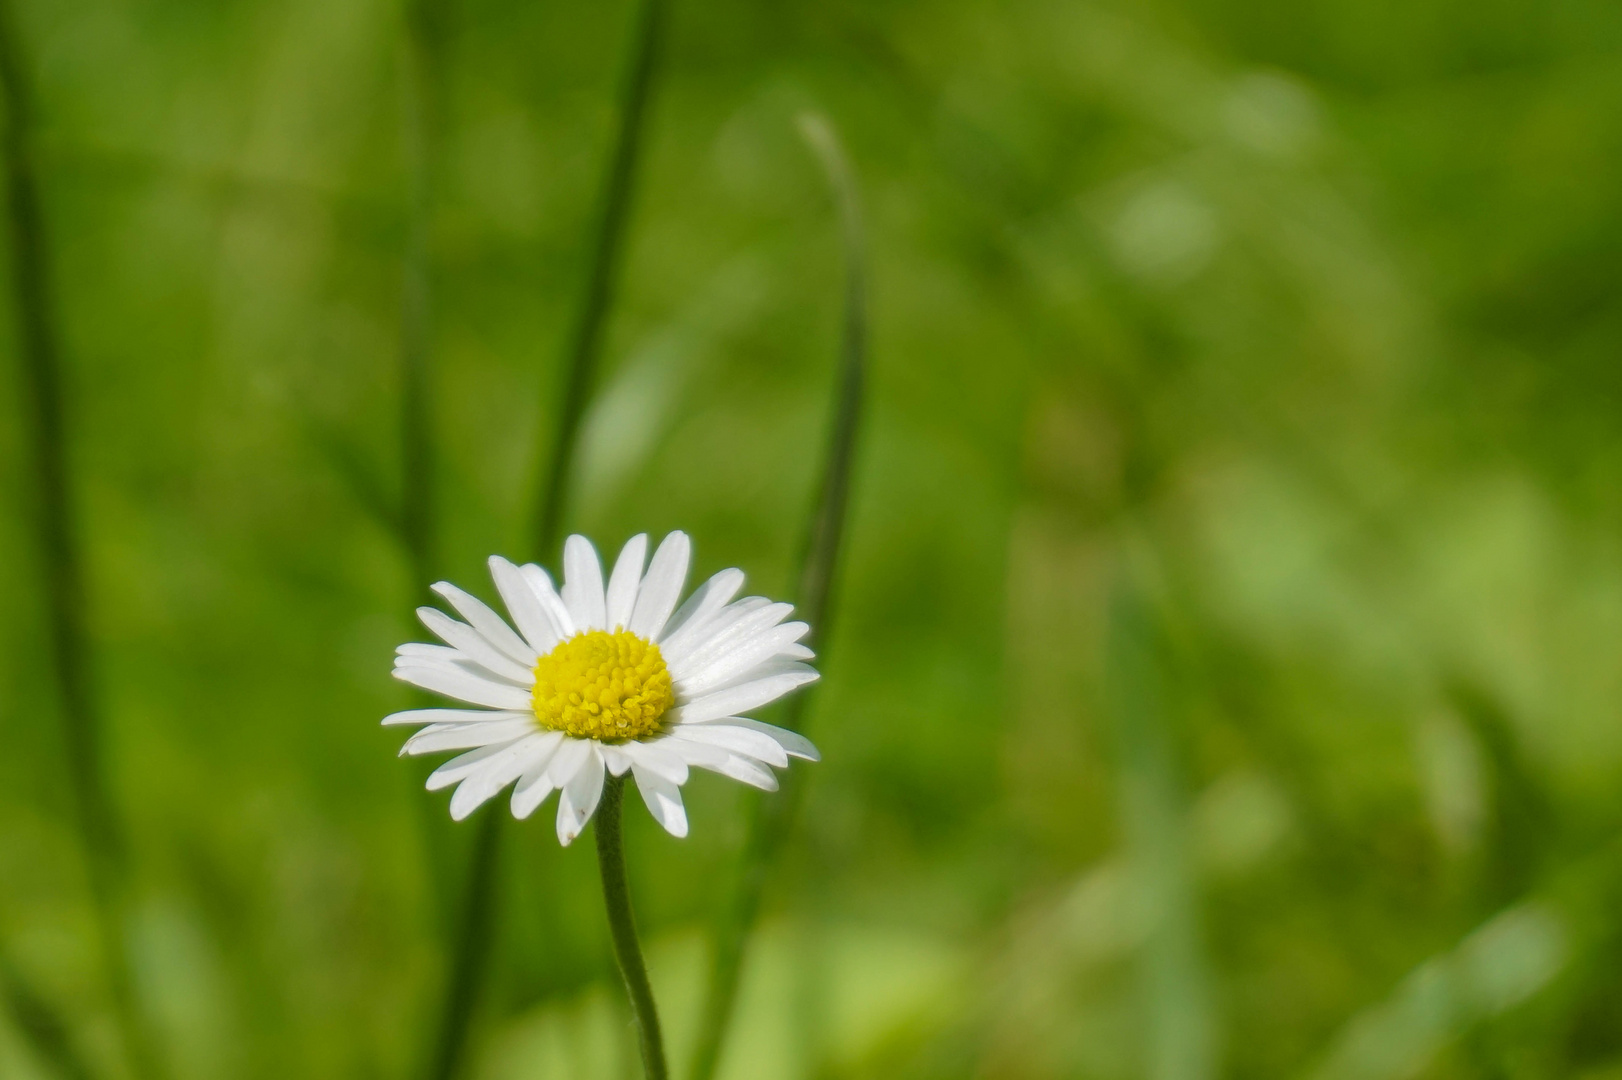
(774,818)
(59,542)
(622,925)
(580,362)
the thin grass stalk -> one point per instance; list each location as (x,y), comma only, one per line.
(773,818)
(39,361)
(579,366)
(622,928)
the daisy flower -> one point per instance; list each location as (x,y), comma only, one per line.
(596,680)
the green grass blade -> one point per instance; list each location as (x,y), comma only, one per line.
(45,421)
(773,818)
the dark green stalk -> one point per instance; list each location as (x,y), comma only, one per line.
(819,553)
(580,362)
(40,363)
(622,926)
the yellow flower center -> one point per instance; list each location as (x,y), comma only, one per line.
(601,685)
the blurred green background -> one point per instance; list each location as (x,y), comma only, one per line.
(1224,680)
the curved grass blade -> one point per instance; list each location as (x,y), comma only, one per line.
(580,362)
(39,359)
(819,556)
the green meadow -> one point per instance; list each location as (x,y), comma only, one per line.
(1222,670)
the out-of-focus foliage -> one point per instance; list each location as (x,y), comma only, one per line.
(1224,681)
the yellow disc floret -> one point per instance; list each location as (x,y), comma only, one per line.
(601,685)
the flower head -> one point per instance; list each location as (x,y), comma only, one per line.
(597,679)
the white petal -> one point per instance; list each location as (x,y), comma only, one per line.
(457,664)
(437,737)
(622,584)
(742,623)
(579,797)
(706,600)
(472,645)
(415,653)
(743,697)
(744,770)
(567,761)
(793,742)
(693,752)
(530,792)
(540,583)
(654,757)
(424,651)
(739,623)
(718,759)
(696,633)
(729,667)
(490,777)
(535,785)
(447,716)
(662,587)
(466,686)
(460,768)
(615,758)
(798,652)
(663,799)
(583,584)
(525,606)
(741,740)
(487,622)
(755,673)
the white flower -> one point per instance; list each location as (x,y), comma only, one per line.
(598,679)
